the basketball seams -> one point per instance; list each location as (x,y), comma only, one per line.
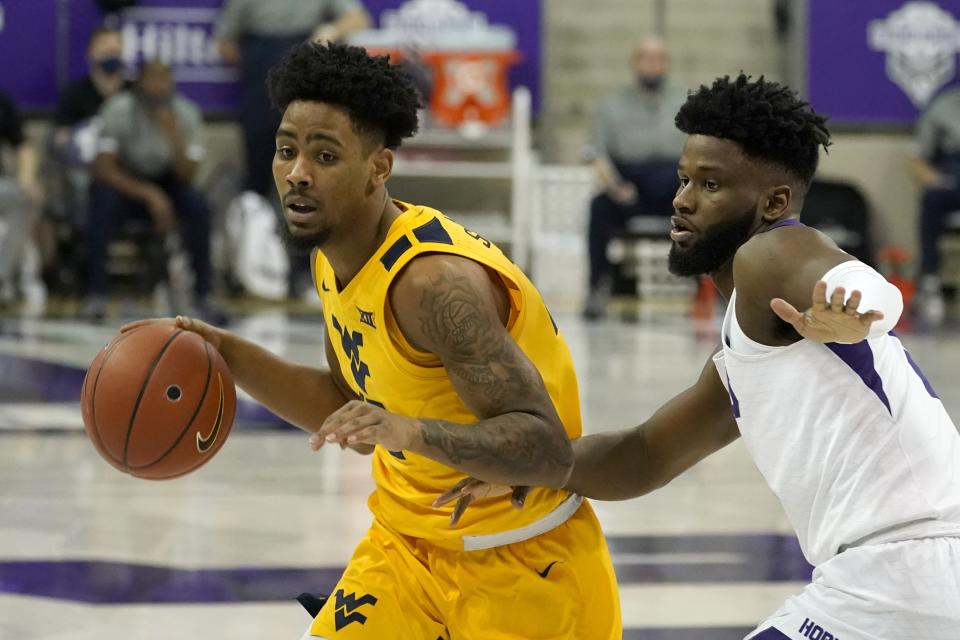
(196,411)
(93,394)
(143,387)
(142,367)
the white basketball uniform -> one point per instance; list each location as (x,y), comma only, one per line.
(866,462)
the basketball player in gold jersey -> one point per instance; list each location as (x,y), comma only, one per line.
(444,362)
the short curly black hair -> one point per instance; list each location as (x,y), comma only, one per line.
(766,119)
(380,97)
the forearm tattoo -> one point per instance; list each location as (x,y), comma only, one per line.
(503,445)
(496,380)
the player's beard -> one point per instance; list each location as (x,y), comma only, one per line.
(302,244)
(714,249)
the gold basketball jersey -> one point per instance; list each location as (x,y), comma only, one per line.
(384,369)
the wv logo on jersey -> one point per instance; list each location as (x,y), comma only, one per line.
(346,610)
(366,317)
(351,341)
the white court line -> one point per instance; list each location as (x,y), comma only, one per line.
(35,416)
(52,416)
(26,618)
(705,605)
(743,604)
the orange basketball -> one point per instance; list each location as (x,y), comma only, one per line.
(158,402)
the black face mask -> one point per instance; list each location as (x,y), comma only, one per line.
(650,83)
(110,65)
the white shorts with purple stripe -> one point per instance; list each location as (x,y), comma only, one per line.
(906,590)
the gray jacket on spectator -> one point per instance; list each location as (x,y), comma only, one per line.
(632,125)
(278,17)
(141,147)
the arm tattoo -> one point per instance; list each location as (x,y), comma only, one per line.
(517,439)
(473,348)
(504,446)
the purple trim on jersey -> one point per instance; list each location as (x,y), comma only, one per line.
(916,368)
(784,223)
(923,378)
(859,357)
(770,634)
(733,399)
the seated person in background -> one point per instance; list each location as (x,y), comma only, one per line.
(634,150)
(936,165)
(20,196)
(82,100)
(148,152)
(75,126)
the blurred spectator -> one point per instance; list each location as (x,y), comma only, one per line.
(634,148)
(148,153)
(20,198)
(82,99)
(73,145)
(255,35)
(936,165)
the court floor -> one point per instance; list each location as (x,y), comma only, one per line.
(88,553)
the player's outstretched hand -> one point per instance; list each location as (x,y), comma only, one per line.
(828,321)
(208,332)
(470,489)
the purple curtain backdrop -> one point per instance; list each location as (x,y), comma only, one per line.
(850,80)
(28,33)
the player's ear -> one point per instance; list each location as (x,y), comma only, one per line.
(777,202)
(381,166)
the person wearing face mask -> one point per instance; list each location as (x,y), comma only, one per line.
(148,152)
(72,147)
(82,99)
(633,147)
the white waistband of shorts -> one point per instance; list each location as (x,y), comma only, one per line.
(550,521)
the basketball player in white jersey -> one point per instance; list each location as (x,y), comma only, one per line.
(837,416)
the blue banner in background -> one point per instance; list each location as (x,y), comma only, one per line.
(28,52)
(179,32)
(36,58)
(880,62)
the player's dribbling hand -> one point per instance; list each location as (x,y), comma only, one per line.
(828,321)
(358,422)
(470,489)
(208,332)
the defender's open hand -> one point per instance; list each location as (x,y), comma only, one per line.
(470,489)
(828,321)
